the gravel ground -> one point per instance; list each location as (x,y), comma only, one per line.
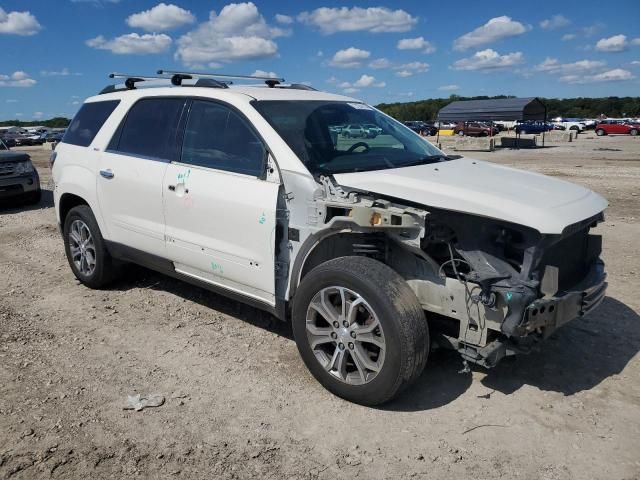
(240,404)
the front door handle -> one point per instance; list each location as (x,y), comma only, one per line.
(182,190)
(107,174)
(172,188)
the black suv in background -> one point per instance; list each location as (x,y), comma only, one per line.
(19,179)
(422,128)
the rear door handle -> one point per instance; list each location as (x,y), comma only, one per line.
(107,174)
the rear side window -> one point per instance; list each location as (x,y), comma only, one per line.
(88,121)
(150,129)
(217,137)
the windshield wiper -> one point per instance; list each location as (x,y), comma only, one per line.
(424,160)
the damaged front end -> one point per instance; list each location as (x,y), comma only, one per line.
(519,285)
(491,288)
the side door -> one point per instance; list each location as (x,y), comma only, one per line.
(219,206)
(131,172)
(619,127)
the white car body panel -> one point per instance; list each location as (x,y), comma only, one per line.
(220,227)
(131,201)
(485,189)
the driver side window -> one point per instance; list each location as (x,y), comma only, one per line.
(217,137)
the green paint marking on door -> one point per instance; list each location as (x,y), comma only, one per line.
(217,268)
(509,296)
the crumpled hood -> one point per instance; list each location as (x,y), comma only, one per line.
(485,189)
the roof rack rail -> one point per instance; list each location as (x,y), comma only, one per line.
(270,81)
(176,80)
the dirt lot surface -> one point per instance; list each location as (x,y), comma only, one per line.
(240,404)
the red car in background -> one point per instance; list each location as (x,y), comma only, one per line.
(607,127)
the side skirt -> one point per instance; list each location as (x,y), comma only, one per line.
(166,267)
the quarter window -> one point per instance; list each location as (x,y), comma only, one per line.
(217,137)
(88,121)
(150,129)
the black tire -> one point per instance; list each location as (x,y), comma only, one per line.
(600,132)
(633,131)
(399,313)
(574,128)
(460,132)
(105,267)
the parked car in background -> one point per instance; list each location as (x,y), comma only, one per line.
(617,127)
(29,139)
(9,140)
(354,131)
(532,127)
(443,125)
(54,136)
(474,129)
(571,124)
(3,146)
(422,128)
(19,179)
(372,130)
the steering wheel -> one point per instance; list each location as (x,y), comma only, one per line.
(358,145)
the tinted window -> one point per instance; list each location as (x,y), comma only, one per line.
(88,121)
(149,129)
(217,137)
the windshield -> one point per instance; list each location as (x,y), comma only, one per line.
(341,137)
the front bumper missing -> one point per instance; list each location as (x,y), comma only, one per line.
(541,318)
(547,314)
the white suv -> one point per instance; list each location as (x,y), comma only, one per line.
(375,250)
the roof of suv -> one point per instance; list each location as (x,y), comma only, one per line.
(257,92)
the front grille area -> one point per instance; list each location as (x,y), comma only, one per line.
(7,168)
(573,255)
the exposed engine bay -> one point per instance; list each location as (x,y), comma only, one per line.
(490,288)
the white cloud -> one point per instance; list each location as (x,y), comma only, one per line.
(487,60)
(38,115)
(617,43)
(65,72)
(238,32)
(17,79)
(12,100)
(373,19)
(410,69)
(380,63)
(635,62)
(133,44)
(556,21)
(284,19)
(497,28)
(553,65)
(349,58)
(18,23)
(615,75)
(449,88)
(365,81)
(569,36)
(635,42)
(263,73)
(161,18)
(418,43)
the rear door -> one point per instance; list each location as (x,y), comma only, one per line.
(219,207)
(131,172)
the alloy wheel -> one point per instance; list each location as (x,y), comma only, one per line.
(82,248)
(345,335)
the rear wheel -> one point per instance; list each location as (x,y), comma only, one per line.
(600,132)
(360,329)
(461,133)
(88,257)
(633,132)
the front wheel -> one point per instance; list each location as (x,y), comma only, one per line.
(600,132)
(360,329)
(633,132)
(461,133)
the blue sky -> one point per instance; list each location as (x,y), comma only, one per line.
(55,53)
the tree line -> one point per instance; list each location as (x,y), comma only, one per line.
(426,110)
(57,122)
